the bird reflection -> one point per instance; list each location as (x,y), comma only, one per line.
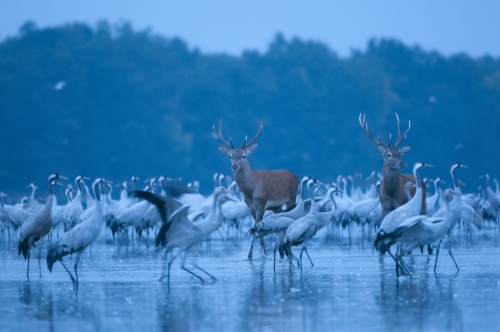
(419,303)
(37,303)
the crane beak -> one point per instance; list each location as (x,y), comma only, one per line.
(63,177)
(427,165)
(86,178)
(462,166)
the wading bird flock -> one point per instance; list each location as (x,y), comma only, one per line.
(257,204)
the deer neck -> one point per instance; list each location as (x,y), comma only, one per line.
(245,179)
(391,179)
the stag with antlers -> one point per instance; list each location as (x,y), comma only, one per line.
(262,189)
(392,193)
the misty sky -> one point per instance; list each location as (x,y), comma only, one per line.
(231,26)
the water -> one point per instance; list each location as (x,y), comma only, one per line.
(348,288)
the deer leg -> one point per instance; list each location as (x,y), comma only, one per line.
(251,249)
(259,215)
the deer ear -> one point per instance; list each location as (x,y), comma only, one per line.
(381,149)
(224,150)
(250,149)
(402,151)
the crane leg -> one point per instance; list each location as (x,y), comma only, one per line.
(211,276)
(449,251)
(183,266)
(168,271)
(28,273)
(40,256)
(305,249)
(70,275)
(301,252)
(396,261)
(222,237)
(76,268)
(437,254)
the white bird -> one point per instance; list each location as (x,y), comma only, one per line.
(60,85)
(408,186)
(362,209)
(58,210)
(124,203)
(185,195)
(37,226)
(464,212)
(24,203)
(32,201)
(431,202)
(79,237)
(74,209)
(15,214)
(395,217)
(89,200)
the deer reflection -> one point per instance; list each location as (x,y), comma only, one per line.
(419,304)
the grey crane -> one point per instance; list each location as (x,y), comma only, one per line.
(178,231)
(302,230)
(423,230)
(37,226)
(395,217)
(77,239)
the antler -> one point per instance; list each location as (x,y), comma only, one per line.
(364,125)
(401,138)
(219,134)
(255,138)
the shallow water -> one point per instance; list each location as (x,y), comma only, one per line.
(348,288)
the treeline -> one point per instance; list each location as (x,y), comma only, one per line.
(111,101)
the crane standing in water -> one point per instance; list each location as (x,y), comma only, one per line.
(78,238)
(37,226)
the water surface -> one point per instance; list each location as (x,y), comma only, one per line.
(348,288)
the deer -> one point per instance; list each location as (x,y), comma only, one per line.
(392,190)
(262,189)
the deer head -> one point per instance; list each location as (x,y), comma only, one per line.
(392,155)
(239,156)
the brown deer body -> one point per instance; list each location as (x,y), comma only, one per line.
(262,189)
(392,193)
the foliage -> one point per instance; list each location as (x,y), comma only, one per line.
(134,103)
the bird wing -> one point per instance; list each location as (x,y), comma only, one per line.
(175,228)
(176,189)
(470,215)
(166,205)
(78,238)
(296,232)
(406,224)
(273,223)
